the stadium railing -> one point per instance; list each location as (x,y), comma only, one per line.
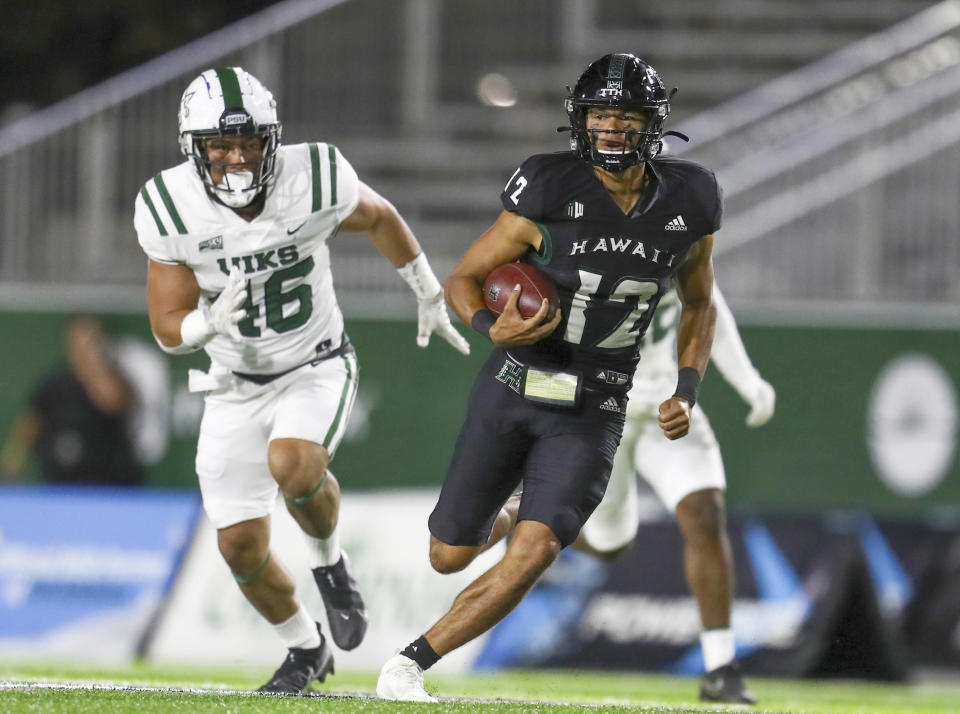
(808,161)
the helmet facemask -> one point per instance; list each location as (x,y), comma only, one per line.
(618,82)
(223,103)
(639,145)
(237,187)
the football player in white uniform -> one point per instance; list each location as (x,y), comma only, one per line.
(688,477)
(239,266)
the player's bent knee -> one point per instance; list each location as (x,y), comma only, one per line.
(295,464)
(447,559)
(535,544)
(702,514)
(243,546)
(446,565)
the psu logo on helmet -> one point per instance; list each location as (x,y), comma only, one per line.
(235,119)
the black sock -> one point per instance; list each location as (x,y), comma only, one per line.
(422,653)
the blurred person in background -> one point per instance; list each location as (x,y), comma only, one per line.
(239,266)
(688,477)
(612,224)
(149,374)
(77,424)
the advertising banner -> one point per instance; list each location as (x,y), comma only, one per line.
(83,571)
(866,418)
(838,594)
(915,566)
(208,621)
(883,436)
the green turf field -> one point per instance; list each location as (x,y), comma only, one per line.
(50,689)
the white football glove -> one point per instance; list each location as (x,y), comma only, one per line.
(432,317)
(762,402)
(221,317)
(225,312)
(432,313)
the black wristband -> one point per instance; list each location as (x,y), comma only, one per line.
(688,385)
(482,321)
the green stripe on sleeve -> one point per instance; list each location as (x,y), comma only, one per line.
(168,202)
(232,98)
(153,211)
(545,253)
(332,150)
(317,188)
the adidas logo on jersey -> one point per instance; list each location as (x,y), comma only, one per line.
(611,405)
(676,224)
(611,377)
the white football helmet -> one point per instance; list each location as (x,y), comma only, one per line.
(228,101)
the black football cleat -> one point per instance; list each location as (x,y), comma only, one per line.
(346,612)
(300,668)
(724,684)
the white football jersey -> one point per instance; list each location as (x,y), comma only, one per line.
(656,374)
(291,307)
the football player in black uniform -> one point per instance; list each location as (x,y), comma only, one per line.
(611,224)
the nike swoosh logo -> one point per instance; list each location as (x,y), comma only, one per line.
(291,232)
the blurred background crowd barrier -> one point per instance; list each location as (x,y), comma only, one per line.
(834,128)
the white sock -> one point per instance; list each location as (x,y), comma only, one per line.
(324,551)
(299,631)
(718,648)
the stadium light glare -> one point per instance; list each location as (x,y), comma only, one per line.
(496,90)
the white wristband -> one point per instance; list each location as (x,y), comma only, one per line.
(181,349)
(195,329)
(420,278)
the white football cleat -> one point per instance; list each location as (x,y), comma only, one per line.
(401,679)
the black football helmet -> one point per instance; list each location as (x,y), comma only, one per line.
(623,81)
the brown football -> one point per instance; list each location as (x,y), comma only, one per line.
(534,287)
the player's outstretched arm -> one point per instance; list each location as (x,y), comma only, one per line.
(180,320)
(505,241)
(694,336)
(730,358)
(391,235)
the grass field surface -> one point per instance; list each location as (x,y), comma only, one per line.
(64,689)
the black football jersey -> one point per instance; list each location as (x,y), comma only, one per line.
(610,268)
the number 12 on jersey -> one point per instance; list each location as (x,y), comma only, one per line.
(627,332)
